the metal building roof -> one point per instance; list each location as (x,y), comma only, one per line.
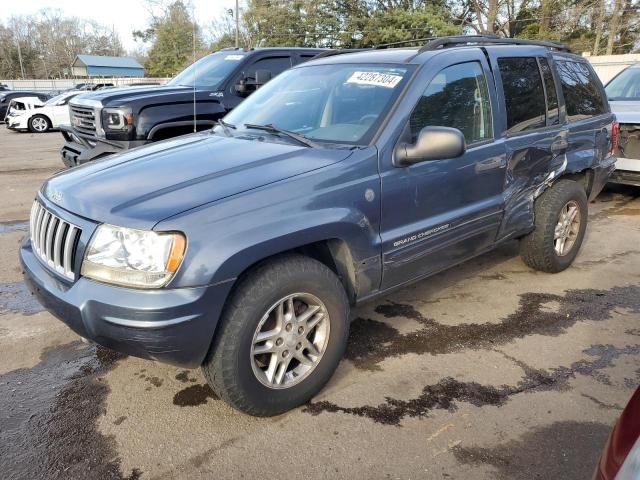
(103,61)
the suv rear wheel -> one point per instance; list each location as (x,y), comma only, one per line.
(560,225)
(281,336)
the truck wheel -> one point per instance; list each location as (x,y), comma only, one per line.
(280,337)
(39,124)
(560,224)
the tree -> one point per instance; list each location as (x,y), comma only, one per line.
(45,44)
(175,37)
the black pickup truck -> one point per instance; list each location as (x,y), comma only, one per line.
(114,120)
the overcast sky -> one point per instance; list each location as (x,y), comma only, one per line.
(123,15)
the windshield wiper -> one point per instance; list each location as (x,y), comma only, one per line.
(226,127)
(273,129)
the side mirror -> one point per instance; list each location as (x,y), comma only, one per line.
(242,88)
(262,77)
(433,143)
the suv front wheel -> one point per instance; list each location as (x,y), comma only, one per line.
(560,225)
(281,336)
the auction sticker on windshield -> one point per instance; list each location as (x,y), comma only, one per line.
(376,79)
(234,57)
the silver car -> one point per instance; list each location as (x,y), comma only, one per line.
(623,92)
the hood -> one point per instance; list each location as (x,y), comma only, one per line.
(626,111)
(148,184)
(115,97)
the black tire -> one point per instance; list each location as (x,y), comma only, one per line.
(228,367)
(537,249)
(36,118)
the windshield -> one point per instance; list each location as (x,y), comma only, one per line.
(333,103)
(625,86)
(209,71)
(57,98)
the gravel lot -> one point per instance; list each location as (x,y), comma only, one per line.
(489,370)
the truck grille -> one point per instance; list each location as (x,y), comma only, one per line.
(54,240)
(83,119)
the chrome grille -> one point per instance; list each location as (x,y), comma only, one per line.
(54,240)
(83,119)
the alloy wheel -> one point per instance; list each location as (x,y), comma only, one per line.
(290,340)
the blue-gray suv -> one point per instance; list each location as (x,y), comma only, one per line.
(242,248)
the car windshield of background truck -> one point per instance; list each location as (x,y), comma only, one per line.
(336,103)
(625,86)
(210,71)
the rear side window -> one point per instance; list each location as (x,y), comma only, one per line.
(523,93)
(582,96)
(457,97)
(550,92)
(275,65)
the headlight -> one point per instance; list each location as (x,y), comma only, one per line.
(116,119)
(133,258)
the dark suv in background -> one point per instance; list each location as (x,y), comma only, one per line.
(114,120)
(241,249)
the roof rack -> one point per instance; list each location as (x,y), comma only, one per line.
(443,42)
(402,42)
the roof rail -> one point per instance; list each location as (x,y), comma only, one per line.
(331,53)
(443,42)
(402,42)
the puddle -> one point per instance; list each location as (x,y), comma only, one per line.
(372,341)
(567,450)
(16,298)
(17,226)
(194,395)
(49,418)
(448,392)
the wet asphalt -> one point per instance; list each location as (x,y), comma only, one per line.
(488,370)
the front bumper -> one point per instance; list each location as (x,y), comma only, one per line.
(80,148)
(627,172)
(174,326)
(15,124)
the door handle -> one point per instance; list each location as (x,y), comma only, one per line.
(559,145)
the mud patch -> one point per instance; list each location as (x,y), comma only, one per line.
(567,450)
(16,298)
(183,377)
(371,341)
(442,395)
(16,226)
(49,421)
(447,392)
(194,395)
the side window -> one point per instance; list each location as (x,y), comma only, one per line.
(275,65)
(550,91)
(306,57)
(582,96)
(523,93)
(457,97)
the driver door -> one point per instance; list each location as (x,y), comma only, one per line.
(438,213)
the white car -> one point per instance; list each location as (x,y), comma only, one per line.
(623,92)
(39,119)
(18,105)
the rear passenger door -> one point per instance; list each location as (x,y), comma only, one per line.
(586,112)
(530,124)
(440,212)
